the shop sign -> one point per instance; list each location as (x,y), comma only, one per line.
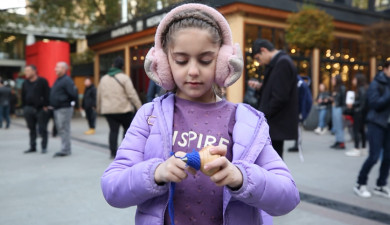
(154,20)
(122,31)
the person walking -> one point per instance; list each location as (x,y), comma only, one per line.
(5,95)
(35,102)
(89,105)
(358,115)
(338,98)
(323,101)
(63,96)
(117,100)
(378,133)
(278,93)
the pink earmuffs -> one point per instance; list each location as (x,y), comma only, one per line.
(229,62)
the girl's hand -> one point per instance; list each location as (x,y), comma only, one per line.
(228,174)
(172,170)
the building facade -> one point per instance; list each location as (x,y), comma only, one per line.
(249,20)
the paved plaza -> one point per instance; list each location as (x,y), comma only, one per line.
(37,189)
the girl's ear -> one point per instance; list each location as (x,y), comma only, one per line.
(157,68)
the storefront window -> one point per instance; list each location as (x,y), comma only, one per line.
(253,70)
(138,75)
(106,60)
(343,58)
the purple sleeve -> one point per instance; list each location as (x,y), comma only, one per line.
(129,180)
(268,184)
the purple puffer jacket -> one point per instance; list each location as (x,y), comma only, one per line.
(267,185)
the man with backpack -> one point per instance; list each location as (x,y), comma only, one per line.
(278,93)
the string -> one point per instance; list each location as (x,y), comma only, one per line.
(191,159)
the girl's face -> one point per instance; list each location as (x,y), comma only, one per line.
(192,57)
(354,82)
(322,87)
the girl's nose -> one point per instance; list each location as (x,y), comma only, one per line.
(193,69)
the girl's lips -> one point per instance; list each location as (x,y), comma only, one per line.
(194,83)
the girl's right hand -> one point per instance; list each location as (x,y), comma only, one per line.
(172,170)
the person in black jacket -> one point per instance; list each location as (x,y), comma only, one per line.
(278,93)
(378,133)
(35,102)
(63,97)
(89,105)
(358,115)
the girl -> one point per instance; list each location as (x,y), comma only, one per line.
(339,91)
(358,114)
(323,100)
(193,54)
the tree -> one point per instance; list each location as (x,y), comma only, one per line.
(82,15)
(310,28)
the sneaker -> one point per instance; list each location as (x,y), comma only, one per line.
(382,191)
(293,149)
(338,145)
(361,191)
(324,130)
(317,130)
(353,152)
(90,131)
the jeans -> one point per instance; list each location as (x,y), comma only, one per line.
(337,124)
(114,122)
(378,138)
(321,117)
(91,117)
(36,117)
(63,117)
(4,112)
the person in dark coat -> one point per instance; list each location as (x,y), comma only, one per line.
(5,93)
(378,133)
(63,97)
(278,93)
(358,115)
(35,101)
(89,105)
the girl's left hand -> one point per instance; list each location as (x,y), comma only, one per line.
(228,174)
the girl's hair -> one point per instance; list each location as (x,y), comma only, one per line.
(191,19)
(339,82)
(361,80)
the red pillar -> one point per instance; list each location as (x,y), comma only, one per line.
(45,55)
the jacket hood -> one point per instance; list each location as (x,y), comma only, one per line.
(382,78)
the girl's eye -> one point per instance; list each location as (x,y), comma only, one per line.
(181,62)
(205,62)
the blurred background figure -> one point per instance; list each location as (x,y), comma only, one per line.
(63,96)
(278,93)
(378,133)
(153,91)
(5,95)
(35,101)
(118,101)
(359,111)
(89,105)
(323,101)
(338,96)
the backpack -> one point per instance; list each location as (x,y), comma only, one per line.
(305,99)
